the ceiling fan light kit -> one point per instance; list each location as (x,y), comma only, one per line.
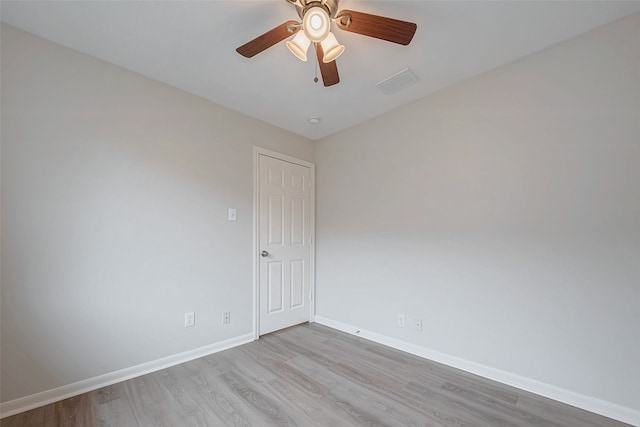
(316,24)
(317,16)
(331,48)
(299,45)
(316,28)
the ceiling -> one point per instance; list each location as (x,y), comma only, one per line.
(191,45)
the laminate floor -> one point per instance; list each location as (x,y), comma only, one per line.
(309,375)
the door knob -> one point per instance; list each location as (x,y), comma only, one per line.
(264,253)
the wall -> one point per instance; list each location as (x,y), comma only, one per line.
(504,212)
(115,190)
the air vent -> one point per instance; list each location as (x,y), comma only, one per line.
(397,82)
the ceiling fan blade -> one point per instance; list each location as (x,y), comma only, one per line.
(329,70)
(267,40)
(380,27)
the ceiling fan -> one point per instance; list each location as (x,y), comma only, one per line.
(317,16)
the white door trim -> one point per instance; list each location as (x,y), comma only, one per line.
(257,152)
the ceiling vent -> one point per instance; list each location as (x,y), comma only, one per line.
(397,82)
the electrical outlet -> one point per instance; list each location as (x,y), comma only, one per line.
(189,319)
(418,325)
(401,321)
(226,317)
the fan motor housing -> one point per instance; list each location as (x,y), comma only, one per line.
(331,6)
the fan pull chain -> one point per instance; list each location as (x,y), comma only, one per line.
(315,79)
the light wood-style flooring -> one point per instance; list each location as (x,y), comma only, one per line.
(309,375)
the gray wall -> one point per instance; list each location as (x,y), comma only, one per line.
(505,212)
(115,190)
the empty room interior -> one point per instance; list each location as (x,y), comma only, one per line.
(301,212)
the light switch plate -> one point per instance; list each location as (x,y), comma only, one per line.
(189,319)
(233,216)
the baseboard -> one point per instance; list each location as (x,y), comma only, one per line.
(591,404)
(26,403)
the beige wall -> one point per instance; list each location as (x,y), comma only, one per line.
(115,190)
(504,212)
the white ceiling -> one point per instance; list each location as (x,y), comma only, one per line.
(191,45)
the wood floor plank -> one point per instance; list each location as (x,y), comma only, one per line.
(306,410)
(268,411)
(558,412)
(342,389)
(309,375)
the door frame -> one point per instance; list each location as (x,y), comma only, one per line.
(257,152)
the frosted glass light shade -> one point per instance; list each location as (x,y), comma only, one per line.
(299,45)
(331,48)
(316,24)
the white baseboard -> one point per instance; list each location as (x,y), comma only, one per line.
(591,404)
(26,403)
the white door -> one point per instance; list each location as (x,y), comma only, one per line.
(284,243)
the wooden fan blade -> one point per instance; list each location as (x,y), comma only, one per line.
(380,27)
(267,40)
(329,70)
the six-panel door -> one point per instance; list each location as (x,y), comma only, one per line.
(284,240)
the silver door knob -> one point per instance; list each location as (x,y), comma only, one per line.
(264,253)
